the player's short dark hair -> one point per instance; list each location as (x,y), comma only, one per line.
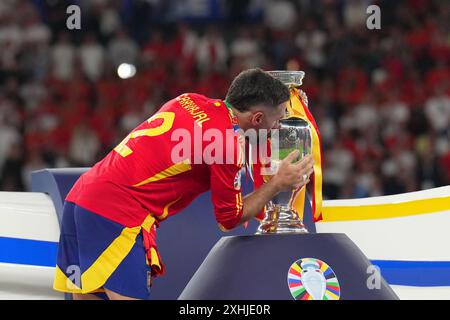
(255,86)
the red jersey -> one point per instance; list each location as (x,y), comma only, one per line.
(150,172)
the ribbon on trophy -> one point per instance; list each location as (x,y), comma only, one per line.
(298,107)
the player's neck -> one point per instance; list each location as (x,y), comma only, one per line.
(242,119)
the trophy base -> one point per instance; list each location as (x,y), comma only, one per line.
(281,223)
(264,273)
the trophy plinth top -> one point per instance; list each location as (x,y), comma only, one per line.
(289,78)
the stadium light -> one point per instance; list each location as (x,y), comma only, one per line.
(126,70)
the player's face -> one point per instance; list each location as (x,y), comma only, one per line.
(279,114)
(268,118)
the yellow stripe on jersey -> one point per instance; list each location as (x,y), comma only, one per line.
(242,202)
(166,209)
(173,170)
(239,204)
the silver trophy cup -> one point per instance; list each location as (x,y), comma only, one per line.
(293,134)
(280,215)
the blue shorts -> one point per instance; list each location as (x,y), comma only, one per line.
(96,253)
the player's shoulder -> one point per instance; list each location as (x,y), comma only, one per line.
(215,109)
(201,99)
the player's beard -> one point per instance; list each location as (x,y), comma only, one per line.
(258,146)
(261,137)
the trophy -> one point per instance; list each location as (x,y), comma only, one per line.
(293,134)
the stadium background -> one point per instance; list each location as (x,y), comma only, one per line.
(381,98)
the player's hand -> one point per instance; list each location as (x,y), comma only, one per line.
(293,175)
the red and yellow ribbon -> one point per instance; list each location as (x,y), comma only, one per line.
(298,108)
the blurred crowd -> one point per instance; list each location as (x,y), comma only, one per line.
(381,97)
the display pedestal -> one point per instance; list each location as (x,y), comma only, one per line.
(256,268)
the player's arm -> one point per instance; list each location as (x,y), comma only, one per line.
(229,207)
(289,176)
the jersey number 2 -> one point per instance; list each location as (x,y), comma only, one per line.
(166,125)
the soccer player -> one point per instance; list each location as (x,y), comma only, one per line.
(108,234)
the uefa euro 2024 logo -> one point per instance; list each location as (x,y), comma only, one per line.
(313,279)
